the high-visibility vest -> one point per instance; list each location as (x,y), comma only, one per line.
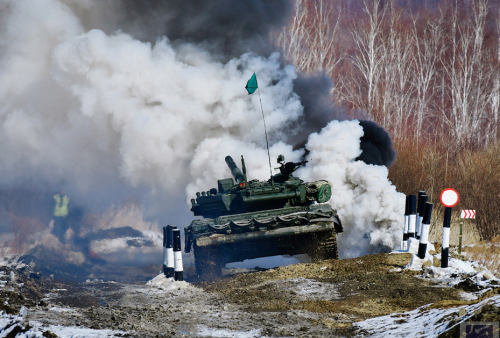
(61,207)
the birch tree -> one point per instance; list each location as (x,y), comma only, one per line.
(398,57)
(368,56)
(494,97)
(428,51)
(468,76)
(293,39)
(309,41)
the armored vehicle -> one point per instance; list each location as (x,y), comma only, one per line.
(249,219)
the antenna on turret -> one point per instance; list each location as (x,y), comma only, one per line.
(251,87)
(243,166)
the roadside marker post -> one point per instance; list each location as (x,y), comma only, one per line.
(445,243)
(178,268)
(426,225)
(464,214)
(405,227)
(412,215)
(449,198)
(169,271)
(422,199)
(164,268)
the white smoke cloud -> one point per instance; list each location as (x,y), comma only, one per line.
(368,204)
(108,115)
(107,112)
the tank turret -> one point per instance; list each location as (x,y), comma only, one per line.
(284,190)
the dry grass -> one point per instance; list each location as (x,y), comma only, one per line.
(487,253)
(470,235)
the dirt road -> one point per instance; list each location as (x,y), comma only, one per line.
(305,300)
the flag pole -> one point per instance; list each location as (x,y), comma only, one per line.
(265,131)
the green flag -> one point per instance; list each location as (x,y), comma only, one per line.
(252,86)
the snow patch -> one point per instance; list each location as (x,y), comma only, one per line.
(458,271)
(417,263)
(70,332)
(307,289)
(412,245)
(206,331)
(421,322)
(468,296)
(9,322)
(61,309)
(169,284)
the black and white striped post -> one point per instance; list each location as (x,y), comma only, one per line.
(449,198)
(169,256)
(420,212)
(412,217)
(405,226)
(178,268)
(445,246)
(425,228)
(165,258)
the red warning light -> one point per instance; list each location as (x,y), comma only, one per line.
(243,184)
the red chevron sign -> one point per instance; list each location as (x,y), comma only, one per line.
(468,214)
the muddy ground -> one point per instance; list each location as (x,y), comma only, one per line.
(303,300)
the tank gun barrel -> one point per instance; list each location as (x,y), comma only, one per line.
(237,174)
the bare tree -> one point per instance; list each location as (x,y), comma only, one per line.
(309,42)
(468,76)
(494,97)
(368,56)
(293,39)
(325,25)
(429,48)
(435,72)
(398,63)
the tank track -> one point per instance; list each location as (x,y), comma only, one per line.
(324,247)
(209,258)
(330,246)
(207,263)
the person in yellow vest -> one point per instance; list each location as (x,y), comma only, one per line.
(60,216)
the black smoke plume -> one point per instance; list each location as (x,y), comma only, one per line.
(227,27)
(376,145)
(319,109)
(314,93)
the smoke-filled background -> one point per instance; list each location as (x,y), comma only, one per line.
(131,106)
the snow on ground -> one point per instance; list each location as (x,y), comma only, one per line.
(468,296)
(459,271)
(9,323)
(206,331)
(411,246)
(456,272)
(11,261)
(421,322)
(169,284)
(310,289)
(68,332)
(63,309)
